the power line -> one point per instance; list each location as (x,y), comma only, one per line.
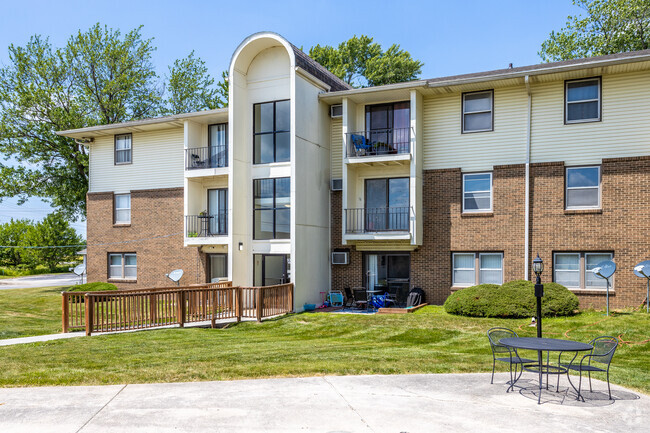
(93,245)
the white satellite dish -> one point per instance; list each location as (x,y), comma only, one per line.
(175,275)
(79,269)
(605,270)
(642,270)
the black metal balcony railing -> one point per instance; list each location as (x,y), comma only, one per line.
(206,157)
(199,226)
(381,219)
(379,142)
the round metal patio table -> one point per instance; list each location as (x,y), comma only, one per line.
(546,345)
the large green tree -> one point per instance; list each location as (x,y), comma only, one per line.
(11,235)
(361,62)
(609,26)
(191,87)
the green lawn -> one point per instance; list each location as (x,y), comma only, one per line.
(25,312)
(428,341)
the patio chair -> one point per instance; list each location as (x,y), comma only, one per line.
(361,145)
(360,297)
(494,336)
(603,352)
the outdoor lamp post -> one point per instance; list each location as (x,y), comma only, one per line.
(538,268)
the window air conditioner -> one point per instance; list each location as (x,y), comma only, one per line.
(340,258)
(336,111)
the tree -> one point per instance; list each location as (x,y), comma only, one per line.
(611,26)
(361,62)
(191,87)
(53,231)
(11,234)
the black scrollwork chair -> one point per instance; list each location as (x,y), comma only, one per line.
(603,352)
(495,335)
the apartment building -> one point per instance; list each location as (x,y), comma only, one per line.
(440,183)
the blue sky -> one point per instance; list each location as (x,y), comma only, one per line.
(449,37)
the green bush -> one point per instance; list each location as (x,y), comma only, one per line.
(514,299)
(92,287)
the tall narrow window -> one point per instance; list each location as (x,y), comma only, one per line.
(122,266)
(217,211)
(123,149)
(272,208)
(567,269)
(477,192)
(582,100)
(478,108)
(218,145)
(582,187)
(122,213)
(271,132)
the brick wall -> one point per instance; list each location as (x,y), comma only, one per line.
(621,226)
(154,213)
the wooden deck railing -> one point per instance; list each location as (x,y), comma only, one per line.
(149,308)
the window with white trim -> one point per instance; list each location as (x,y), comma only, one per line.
(582,100)
(478,108)
(122,266)
(583,187)
(477,192)
(574,269)
(122,212)
(470,269)
(123,149)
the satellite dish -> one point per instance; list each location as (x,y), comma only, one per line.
(175,275)
(604,269)
(642,270)
(80,269)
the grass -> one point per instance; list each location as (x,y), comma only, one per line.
(307,344)
(13,272)
(26,312)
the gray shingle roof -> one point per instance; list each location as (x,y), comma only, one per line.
(318,71)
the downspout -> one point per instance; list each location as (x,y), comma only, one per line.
(527,180)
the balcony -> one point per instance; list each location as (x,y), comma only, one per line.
(203,226)
(379,142)
(206,157)
(377,220)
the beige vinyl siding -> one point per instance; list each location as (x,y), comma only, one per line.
(157,162)
(445,147)
(337,148)
(623,131)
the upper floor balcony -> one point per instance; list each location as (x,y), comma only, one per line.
(379,144)
(205,227)
(206,157)
(378,220)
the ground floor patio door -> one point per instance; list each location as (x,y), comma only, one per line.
(270,269)
(388,272)
(217,267)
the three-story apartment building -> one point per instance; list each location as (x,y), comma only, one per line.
(439,184)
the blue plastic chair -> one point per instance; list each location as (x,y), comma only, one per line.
(335,299)
(360,143)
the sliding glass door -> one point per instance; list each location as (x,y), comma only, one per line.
(388,272)
(387,204)
(218,211)
(270,269)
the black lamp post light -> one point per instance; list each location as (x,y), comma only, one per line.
(538,268)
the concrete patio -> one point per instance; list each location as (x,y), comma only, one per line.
(400,403)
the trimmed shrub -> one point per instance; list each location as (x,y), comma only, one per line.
(92,287)
(515,299)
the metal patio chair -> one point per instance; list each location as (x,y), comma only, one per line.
(494,336)
(603,352)
(360,297)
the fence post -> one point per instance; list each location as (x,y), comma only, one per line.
(88,301)
(259,297)
(65,313)
(239,302)
(153,304)
(214,307)
(180,308)
(290,301)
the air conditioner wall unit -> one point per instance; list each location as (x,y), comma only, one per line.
(336,111)
(337,184)
(340,258)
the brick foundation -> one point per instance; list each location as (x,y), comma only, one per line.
(154,213)
(620,227)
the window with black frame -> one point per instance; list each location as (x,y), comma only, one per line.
(272,208)
(271,132)
(387,204)
(388,128)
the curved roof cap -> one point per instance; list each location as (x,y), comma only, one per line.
(297,57)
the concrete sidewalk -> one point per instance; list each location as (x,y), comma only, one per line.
(400,403)
(42,280)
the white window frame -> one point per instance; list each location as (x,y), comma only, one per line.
(566,101)
(611,257)
(453,269)
(129,149)
(122,265)
(491,111)
(489,269)
(491,194)
(116,209)
(555,270)
(567,188)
